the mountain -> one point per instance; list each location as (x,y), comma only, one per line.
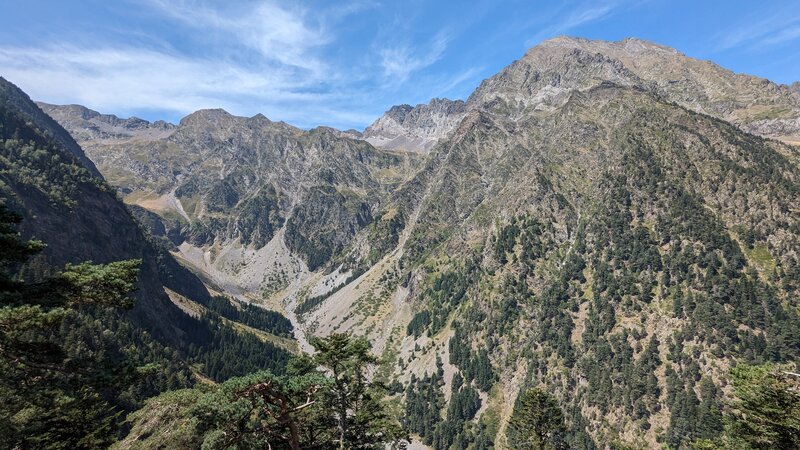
(88,126)
(557,246)
(544,76)
(608,221)
(755,104)
(251,203)
(417,128)
(77,214)
(580,230)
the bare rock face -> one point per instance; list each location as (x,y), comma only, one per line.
(547,75)
(544,77)
(415,129)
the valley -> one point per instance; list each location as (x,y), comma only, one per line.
(613,223)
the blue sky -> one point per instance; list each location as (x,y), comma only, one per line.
(342,63)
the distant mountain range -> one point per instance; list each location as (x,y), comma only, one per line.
(613,221)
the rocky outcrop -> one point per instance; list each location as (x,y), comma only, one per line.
(417,128)
(86,125)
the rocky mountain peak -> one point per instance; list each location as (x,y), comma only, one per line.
(398,112)
(206,116)
(544,78)
(260,118)
(628,45)
(416,128)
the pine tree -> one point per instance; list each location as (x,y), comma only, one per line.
(360,416)
(766,411)
(51,398)
(537,422)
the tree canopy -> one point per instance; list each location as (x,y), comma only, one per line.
(52,397)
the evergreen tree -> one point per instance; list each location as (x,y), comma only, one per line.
(537,422)
(766,411)
(356,404)
(321,402)
(52,398)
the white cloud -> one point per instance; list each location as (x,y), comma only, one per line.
(246,57)
(262,59)
(399,63)
(777,29)
(119,80)
(276,33)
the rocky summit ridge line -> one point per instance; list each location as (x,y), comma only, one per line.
(546,74)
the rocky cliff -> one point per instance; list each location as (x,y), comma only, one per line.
(415,129)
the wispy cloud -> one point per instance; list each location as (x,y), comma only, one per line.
(784,35)
(259,56)
(776,29)
(263,59)
(399,62)
(277,33)
(122,79)
(586,13)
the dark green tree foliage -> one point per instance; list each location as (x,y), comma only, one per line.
(51,397)
(505,242)
(251,315)
(484,439)
(709,412)
(259,410)
(455,430)
(335,407)
(765,413)
(551,309)
(34,159)
(419,323)
(224,352)
(704,274)
(446,292)
(645,239)
(474,365)
(527,232)
(354,403)
(537,422)
(104,334)
(424,403)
